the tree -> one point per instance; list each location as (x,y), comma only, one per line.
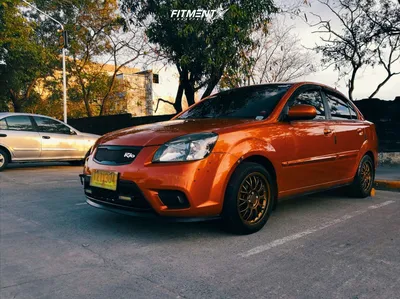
(278,57)
(24,59)
(102,43)
(365,38)
(201,49)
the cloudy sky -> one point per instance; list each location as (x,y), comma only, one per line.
(367,79)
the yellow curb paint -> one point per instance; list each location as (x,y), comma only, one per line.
(387,184)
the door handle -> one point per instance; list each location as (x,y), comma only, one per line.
(3,135)
(327,131)
(360,131)
(46,137)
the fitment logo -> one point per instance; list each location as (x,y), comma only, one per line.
(209,15)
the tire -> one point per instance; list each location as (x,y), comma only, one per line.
(4,159)
(249,199)
(364,178)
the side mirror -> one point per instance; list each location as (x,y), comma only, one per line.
(72,132)
(302,112)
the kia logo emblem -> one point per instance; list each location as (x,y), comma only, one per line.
(129,155)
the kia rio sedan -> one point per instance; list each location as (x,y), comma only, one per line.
(234,154)
(34,138)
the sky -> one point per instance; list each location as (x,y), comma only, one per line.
(367,79)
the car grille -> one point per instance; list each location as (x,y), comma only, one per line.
(116,155)
(126,189)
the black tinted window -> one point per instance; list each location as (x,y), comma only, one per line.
(3,124)
(49,125)
(339,108)
(312,98)
(353,113)
(19,123)
(255,102)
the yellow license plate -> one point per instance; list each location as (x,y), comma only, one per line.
(104,179)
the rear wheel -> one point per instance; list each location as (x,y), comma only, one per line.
(4,159)
(364,179)
(249,199)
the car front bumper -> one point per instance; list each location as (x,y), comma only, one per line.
(202,184)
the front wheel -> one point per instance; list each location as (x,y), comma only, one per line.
(364,179)
(249,199)
(3,159)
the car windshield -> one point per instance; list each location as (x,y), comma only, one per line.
(256,102)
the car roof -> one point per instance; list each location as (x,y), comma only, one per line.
(5,114)
(291,84)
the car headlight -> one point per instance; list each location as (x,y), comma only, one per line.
(186,148)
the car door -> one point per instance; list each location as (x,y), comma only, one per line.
(18,134)
(310,154)
(349,133)
(58,140)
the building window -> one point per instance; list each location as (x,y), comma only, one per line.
(156,78)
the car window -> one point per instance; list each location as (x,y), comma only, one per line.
(312,98)
(353,113)
(3,124)
(19,123)
(48,125)
(339,108)
(248,103)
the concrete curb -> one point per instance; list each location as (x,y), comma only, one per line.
(387,185)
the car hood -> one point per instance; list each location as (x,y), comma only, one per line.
(159,133)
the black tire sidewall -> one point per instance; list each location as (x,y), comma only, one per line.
(230,213)
(358,190)
(6,159)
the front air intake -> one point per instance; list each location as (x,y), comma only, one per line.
(173,199)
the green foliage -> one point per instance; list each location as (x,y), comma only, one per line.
(202,50)
(24,58)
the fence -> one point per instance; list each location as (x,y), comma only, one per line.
(104,124)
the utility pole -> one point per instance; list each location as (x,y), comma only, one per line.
(65,37)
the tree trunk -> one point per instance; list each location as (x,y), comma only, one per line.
(15,102)
(87,106)
(379,86)
(210,88)
(178,99)
(189,92)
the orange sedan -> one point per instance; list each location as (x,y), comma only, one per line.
(234,154)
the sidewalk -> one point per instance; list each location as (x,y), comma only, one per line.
(387,177)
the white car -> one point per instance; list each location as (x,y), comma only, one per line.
(31,138)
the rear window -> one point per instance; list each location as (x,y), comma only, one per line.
(19,123)
(3,124)
(256,102)
(339,108)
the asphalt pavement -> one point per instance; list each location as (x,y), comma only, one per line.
(53,245)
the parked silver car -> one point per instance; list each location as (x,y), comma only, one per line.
(29,137)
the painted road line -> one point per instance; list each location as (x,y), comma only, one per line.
(276,243)
(81,204)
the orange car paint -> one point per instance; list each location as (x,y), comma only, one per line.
(303,156)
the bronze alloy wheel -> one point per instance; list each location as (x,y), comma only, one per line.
(254,198)
(366,175)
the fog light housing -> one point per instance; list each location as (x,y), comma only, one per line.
(173,199)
